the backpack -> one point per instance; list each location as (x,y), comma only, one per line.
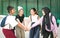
(56,21)
(3,21)
(52,25)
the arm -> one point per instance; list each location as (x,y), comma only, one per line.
(21,25)
(38,22)
(55,25)
(13,22)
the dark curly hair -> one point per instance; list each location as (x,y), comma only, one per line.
(9,8)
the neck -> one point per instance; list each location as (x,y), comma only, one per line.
(10,13)
(33,14)
(20,15)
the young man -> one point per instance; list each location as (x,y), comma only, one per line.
(10,23)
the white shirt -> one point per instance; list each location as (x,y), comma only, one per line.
(10,22)
(38,22)
(34,18)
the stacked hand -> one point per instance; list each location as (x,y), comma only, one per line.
(27,28)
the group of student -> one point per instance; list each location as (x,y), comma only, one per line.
(46,24)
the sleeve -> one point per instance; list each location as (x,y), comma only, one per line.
(16,16)
(13,22)
(37,22)
(55,25)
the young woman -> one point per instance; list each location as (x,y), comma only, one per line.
(34,32)
(11,23)
(48,22)
(20,32)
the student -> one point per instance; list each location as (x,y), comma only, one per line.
(11,23)
(34,32)
(48,22)
(20,32)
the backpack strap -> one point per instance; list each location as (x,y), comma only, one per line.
(38,17)
(3,21)
(51,19)
(30,17)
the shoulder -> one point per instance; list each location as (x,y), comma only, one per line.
(41,17)
(11,17)
(53,18)
(17,16)
(36,15)
(29,17)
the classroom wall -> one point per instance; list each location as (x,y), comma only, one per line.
(54,5)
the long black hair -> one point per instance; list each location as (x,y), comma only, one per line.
(46,19)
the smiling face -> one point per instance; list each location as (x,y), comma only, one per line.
(46,11)
(21,12)
(12,11)
(43,12)
(32,12)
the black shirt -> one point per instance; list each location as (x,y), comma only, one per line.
(21,18)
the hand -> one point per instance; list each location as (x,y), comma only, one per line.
(55,35)
(27,28)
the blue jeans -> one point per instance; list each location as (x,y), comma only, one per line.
(35,32)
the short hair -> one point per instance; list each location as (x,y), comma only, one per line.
(9,8)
